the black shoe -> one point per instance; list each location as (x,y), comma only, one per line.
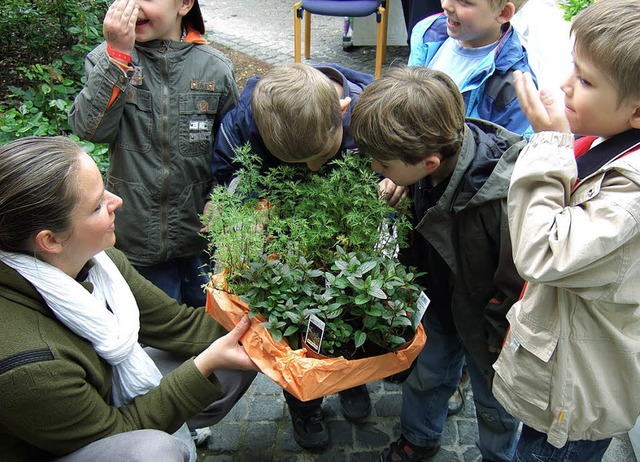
(403,451)
(309,429)
(356,404)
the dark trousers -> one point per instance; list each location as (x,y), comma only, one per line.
(533,447)
(304,407)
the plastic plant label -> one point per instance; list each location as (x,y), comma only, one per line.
(421,308)
(315,332)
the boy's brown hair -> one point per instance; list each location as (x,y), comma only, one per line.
(408,113)
(607,33)
(297,111)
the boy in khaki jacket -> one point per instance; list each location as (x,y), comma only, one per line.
(570,365)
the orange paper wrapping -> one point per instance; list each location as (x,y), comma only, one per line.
(303,377)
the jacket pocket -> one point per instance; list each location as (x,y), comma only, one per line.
(136,125)
(137,227)
(526,369)
(186,239)
(197,118)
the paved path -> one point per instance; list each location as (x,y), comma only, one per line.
(259,427)
(264,29)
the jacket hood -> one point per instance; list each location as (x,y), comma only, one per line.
(485,171)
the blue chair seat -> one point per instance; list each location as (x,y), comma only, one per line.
(358,8)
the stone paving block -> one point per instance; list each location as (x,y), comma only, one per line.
(259,437)
(371,435)
(450,433)
(225,438)
(273,410)
(467,432)
(239,412)
(388,405)
(333,455)
(220,458)
(472,454)
(447,454)
(341,432)
(265,386)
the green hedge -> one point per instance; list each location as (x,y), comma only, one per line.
(45,42)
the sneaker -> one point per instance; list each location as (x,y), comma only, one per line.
(309,429)
(201,435)
(403,451)
(356,404)
(459,397)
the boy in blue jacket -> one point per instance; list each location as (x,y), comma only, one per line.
(475,44)
(299,114)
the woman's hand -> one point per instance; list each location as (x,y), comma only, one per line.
(541,108)
(226,352)
(119,26)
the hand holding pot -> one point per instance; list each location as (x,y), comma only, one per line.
(226,352)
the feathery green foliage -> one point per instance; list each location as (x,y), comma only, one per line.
(294,243)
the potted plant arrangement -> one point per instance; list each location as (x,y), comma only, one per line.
(312,256)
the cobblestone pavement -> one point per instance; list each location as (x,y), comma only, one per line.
(259,428)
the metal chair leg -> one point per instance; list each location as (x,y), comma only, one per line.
(297,19)
(307,34)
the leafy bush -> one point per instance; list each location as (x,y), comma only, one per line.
(49,40)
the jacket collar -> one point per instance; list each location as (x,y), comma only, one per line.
(16,289)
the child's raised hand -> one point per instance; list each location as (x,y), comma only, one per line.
(541,108)
(119,26)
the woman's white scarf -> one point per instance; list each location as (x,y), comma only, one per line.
(113,334)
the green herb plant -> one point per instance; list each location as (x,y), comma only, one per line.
(573,7)
(293,243)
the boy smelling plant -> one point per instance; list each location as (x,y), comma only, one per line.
(299,114)
(411,122)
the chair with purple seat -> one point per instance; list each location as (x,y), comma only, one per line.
(355,8)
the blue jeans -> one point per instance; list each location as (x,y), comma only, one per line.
(426,393)
(181,278)
(533,447)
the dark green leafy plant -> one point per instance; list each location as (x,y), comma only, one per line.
(293,244)
(45,43)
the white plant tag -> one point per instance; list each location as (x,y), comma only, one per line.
(421,308)
(315,332)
